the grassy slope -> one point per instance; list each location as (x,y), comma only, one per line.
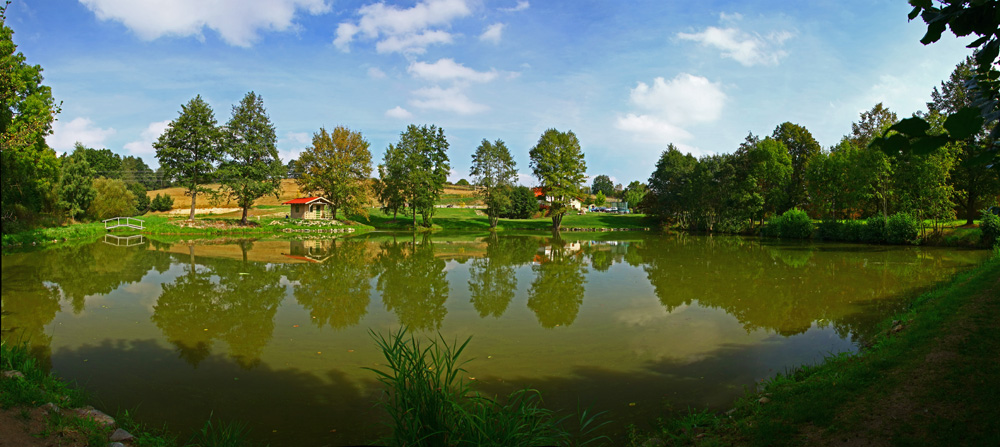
(931,379)
(469,219)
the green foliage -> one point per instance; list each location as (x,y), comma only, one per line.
(134,170)
(113,200)
(162,203)
(802,147)
(189,148)
(37,385)
(413,172)
(792,224)
(603,183)
(634,194)
(105,163)
(494,170)
(522,204)
(222,434)
(431,405)
(557,161)
(989,224)
(874,230)
(901,228)
(30,168)
(76,190)
(669,185)
(142,202)
(249,165)
(338,165)
(600,199)
(463,182)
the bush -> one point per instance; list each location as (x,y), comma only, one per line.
(462,182)
(901,228)
(830,230)
(852,231)
(523,204)
(990,226)
(113,199)
(793,224)
(142,202)
(874,230)
(162,203)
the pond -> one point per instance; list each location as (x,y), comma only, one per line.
(276,332)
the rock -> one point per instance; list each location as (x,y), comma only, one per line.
(121,435)
(763,400)
(897,328)
(51,408)
(13,374)
(895,323)
(95,415)
(654,442)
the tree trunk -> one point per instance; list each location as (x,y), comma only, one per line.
(243,221)
(194,196)
(556,221)
(970,208)
(493,221)
(333,212)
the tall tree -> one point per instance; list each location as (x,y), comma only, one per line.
(974,181)
(603,183)
(802,147)
(30,168)
(873,123)
(416,169)
(557,161)
(113,199)
(391,187)
(134,170)
(250,167)
(76,189)
(668,186)
(493,169)
(189,148)
(105,163)
(634,194)
(338,165)
(769,165)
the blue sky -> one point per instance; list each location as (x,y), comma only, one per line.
(627,77)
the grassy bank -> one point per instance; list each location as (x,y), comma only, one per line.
(465,219)
(929,379)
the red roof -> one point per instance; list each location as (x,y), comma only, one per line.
(302,200)
(538,192)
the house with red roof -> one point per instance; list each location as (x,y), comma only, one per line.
(310,208)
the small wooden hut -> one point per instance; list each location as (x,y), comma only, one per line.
(310,208)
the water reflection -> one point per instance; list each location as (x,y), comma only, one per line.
(335,285)
(557,291)
(413,282)
(492,280)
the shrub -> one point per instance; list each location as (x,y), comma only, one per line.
(793,224)
(901,228)
(142,202)
(162,203)
(990,226)
(113,199)
(522,204)
(830,230)
(874,230)
(852,231)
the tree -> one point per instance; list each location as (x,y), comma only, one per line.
(391,187)
(769,166)
(523,203)
(557,161)
(974,181)
(669,185)
(142,202)
(416,169)
(873,123)
(802,147)
(338,165)
(493,169)
(76,190)
(600,199)
(105,163)
(634,194)
(464,182)
(189,148)
(30,168)
(249,165)
(113,199)
(136,170)
(603,183)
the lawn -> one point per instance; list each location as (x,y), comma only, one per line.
(465,219)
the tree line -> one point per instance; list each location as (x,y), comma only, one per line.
(855,179)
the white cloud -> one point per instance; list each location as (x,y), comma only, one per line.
(402,30)
(667,106)
(143,147)
(450,100)
(376,73)
(449,70)
(66,134)
(493,33)
(237,21)
(521,6)
(298,137)
(745,48)
(398,112)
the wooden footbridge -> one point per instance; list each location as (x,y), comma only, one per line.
(127,222)
(128,241)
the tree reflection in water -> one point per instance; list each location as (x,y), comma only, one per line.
(413,283)
(492,283)
(336,288)
(557,291)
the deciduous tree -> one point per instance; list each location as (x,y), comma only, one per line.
(493,169)
(338,165)
(250,167)
(802,147)
(557,161)
(603,183)
(76,189)
(189,148)
(415,170)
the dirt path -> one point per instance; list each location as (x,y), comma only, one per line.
(947,395)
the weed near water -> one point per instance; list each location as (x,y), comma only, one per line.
(430,404)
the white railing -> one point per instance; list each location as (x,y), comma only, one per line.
(128,241)
(130,222)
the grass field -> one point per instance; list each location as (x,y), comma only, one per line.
(475,220)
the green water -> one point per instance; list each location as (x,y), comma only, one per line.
(275,332)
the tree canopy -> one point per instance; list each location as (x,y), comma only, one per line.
(413,171)
(338,165)
(493,169)
(249,165)
(557,161)
(603,183)
(189,148)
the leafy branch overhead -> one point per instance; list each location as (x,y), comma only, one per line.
(964,18)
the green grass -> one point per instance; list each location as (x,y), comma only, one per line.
(430,404)
(465,219)
(839,397)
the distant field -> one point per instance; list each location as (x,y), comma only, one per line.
(289,190)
